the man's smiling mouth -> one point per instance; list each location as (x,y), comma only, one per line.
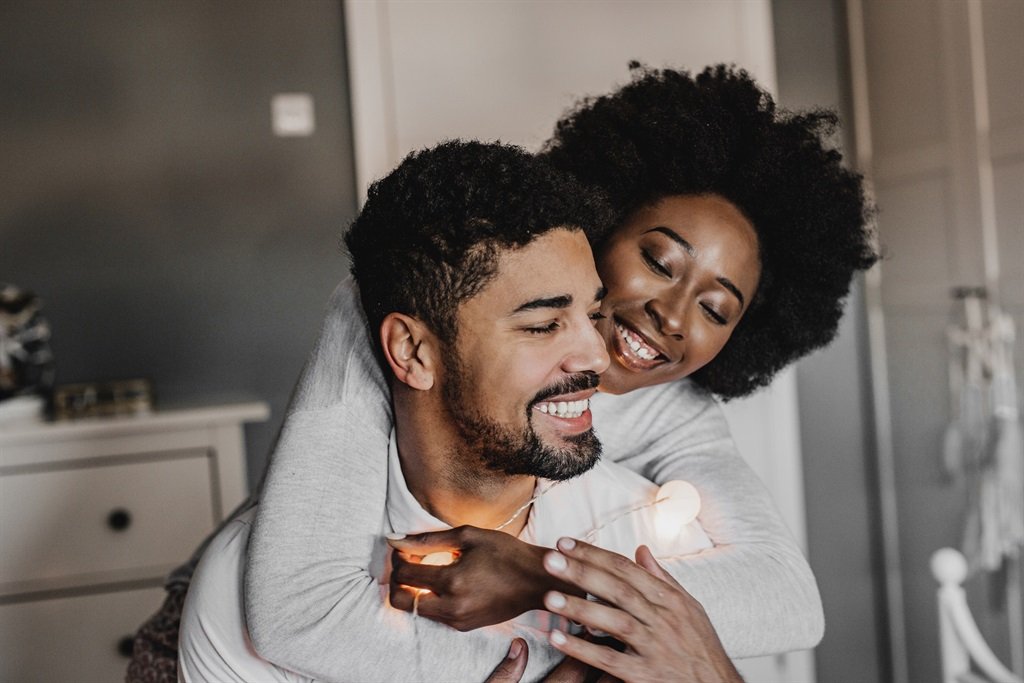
(566,409)
(569,412)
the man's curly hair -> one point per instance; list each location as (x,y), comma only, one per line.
(429,235)
(669,133)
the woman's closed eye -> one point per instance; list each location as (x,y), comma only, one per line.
(655,265)
(713,315)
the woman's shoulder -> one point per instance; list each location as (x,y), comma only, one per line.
(681,400)
(671,413)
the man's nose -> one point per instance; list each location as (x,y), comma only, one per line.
(589,353)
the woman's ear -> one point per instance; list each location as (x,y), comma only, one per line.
(409,349)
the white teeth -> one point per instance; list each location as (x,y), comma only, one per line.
(566,409)
(639,347)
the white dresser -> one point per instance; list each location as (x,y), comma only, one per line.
(93,515)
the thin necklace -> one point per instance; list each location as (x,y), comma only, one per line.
(526,505)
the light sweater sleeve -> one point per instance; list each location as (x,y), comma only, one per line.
(313,607)
(755,584)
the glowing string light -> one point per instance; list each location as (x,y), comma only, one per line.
(678,504)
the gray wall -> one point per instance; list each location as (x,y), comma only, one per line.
(144,197)
(927,187)
(834,393)
(925,152)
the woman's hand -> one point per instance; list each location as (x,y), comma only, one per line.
(667,634)
(495,577)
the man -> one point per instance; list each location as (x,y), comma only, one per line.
(479,285)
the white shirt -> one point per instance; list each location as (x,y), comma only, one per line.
(605,496)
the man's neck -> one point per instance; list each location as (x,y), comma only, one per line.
(451,483)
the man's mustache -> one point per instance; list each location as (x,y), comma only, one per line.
(573,383)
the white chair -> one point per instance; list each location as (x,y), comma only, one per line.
(961,641)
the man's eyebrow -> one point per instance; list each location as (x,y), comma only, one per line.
(563,301)
(675,237)
(678,239)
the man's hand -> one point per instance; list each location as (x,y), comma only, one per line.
(495,577)
(667,633)
(512,667)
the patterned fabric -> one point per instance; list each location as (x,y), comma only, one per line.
(155,648)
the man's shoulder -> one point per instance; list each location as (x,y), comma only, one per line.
(221,568)
(213,644)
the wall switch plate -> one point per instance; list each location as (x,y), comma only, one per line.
(292,114)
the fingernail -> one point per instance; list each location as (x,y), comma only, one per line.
(555,562)
(566,544)
(394,536)
(555,600)
(558,638)
(516,649)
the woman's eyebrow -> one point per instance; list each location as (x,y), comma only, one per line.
(675,237)
(728,284)
(689,248)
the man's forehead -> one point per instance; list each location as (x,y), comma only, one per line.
(543,273)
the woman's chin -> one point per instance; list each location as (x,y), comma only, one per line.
(613,382)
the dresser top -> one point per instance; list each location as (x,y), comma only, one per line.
(155,421)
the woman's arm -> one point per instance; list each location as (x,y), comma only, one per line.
(755,584)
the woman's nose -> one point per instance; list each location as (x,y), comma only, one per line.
(670,319)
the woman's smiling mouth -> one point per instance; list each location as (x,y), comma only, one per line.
(632,350)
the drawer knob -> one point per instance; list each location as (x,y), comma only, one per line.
(125,646)
(119,519)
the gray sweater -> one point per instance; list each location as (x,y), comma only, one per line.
(313,607)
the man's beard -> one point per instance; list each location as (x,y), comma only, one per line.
(516,452)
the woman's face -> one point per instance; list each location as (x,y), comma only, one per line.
(680,274)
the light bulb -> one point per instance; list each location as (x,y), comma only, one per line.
(439,558)
(680,504)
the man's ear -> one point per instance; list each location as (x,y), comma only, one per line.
(410,349)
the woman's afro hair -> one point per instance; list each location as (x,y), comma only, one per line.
(669,133)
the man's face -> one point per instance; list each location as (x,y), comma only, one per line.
(525,361)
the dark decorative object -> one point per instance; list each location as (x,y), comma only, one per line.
(92,399)
(26,363)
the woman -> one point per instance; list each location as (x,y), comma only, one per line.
(739,234)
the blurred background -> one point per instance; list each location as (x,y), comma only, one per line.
(175,178)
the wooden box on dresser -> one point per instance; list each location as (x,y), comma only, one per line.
(93,515)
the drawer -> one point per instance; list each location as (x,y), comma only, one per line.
(72,639)
(59,525)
